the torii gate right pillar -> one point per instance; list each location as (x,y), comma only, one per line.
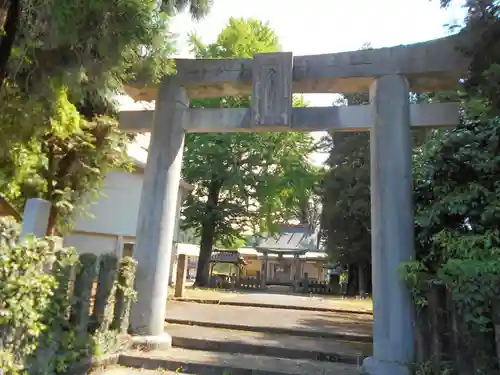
(391,225)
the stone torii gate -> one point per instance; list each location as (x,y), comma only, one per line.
(389,74)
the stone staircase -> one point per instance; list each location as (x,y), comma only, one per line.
(212,350)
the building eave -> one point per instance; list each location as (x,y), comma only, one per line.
(139,164)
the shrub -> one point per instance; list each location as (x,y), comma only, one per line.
(45,323)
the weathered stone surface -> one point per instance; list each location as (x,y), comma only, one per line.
(35,218)
(180,279)
(301,322)
(184,191)
(214,363)
(157,212)
(136,121)
(161,341)
(84,283)
(430,66)
(108,268)
(123,298)
(286,346)
(392,226)
(350,118)
(135,371)
(272,89)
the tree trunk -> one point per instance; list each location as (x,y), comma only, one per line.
(369,284)
(51,226)
(352,280)
(362,279)
(206,244)
(10,12)
(435,300)
(496,326)
(208,227)
(460,360)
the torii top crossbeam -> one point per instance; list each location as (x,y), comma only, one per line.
(429,67)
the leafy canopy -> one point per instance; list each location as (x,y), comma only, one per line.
(258,178)
(63,63)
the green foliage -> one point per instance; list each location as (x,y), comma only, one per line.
(458,242)
(65,162)
(197,8)
(483,28)
(106,289)
(36,333)
(86,273)
(125,294)
(457,203)
(346,200)
(243,181)
(25,294)
(346,219)
(258,178)
(457,220)
(60,133)
(100,43)
(241,38)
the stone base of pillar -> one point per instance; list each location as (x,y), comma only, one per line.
(373,366)
(159,342)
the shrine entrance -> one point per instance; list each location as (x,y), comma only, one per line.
(388,74)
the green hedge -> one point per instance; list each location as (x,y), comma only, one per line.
(46,325)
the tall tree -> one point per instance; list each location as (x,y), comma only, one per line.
(347,201)
(60,64)
(243,181)
(84,41)
(457,220)
(64,164)
(347,212)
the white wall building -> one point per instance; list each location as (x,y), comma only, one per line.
(111,226)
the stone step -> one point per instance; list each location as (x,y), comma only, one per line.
(348,326)
(216,363)
(299,331)
(120,370)
(273,345)
(316,305)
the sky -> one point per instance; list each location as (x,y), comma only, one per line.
(325,26)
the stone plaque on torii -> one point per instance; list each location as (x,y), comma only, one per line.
(388,74)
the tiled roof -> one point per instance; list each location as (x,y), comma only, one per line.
(226,257)
(291,238)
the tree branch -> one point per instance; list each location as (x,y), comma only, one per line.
(10,28)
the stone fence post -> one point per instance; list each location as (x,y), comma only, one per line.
(180,277)
(35,218)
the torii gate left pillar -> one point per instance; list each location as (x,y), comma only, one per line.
(156,220)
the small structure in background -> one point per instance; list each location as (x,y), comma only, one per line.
(233,262)
(285,256)
(288,258)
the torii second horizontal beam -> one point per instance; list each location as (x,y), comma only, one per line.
(348,118)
